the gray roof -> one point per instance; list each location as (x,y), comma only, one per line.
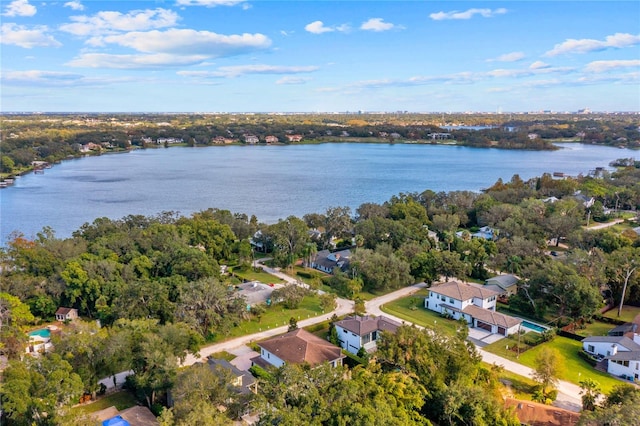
(362,325)
(247,378)
(624,328)
(503,281)
(620,340)
(330,260)
(625,356)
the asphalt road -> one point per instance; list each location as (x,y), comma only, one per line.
(568,393)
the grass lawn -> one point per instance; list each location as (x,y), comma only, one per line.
(253,275)
(275,316)
(121,400)
(410,308)
(223,355)
(293,273)
(597,328)
(628,313)
(575,368)
(520,387)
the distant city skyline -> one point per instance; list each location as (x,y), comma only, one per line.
(319,56)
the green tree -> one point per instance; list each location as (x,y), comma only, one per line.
(209,306)
(590,391)
(6,164)
(327,301)
(293,324)
(548,367)
(290,237)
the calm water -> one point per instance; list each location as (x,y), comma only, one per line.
(271,182)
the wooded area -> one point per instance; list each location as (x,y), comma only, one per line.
(156,287)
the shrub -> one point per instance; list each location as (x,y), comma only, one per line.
(260,373)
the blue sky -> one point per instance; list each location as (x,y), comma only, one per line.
(308,56)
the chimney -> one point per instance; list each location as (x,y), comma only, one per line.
(614,349)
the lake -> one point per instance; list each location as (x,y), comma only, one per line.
(271,182)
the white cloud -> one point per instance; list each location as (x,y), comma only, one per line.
(538,65)
(508,57)
(209,3)
(75,5)
(586,45)
(318,27)
(376,24)
(159,60)
(187,42)
(467,14)
(19,35)
(292,80)
(604,66)
(56,79)
(110,22)
(238,70)
(37,76)
(20,8)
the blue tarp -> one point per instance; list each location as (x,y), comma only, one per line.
(115,421)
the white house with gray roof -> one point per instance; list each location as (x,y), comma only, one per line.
(473,302)
(622,355)
(327,261)
(355,332)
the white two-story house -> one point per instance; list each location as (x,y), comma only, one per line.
(475,303)
(363,331)
(621,353)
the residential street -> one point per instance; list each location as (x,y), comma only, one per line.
(568,393)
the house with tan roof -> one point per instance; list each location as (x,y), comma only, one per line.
(297,347)
(475,303)
(66,314)
(355,332)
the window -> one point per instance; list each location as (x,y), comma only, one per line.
(344,331)
(451,300)
(590,348)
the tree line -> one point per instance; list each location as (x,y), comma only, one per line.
(155,285)
(51,138)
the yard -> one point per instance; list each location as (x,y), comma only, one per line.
(251,274)
(411,308)
(575,368)
(121,400)
(275,316)
(597,328)
(628,313)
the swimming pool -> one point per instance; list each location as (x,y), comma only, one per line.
(534,327)
(45,333)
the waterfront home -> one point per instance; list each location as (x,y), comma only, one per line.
(66,314)
(297,347)
(355,332)
(251,139)
(271,139)
(473,302)
(294,138)
(326,261)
